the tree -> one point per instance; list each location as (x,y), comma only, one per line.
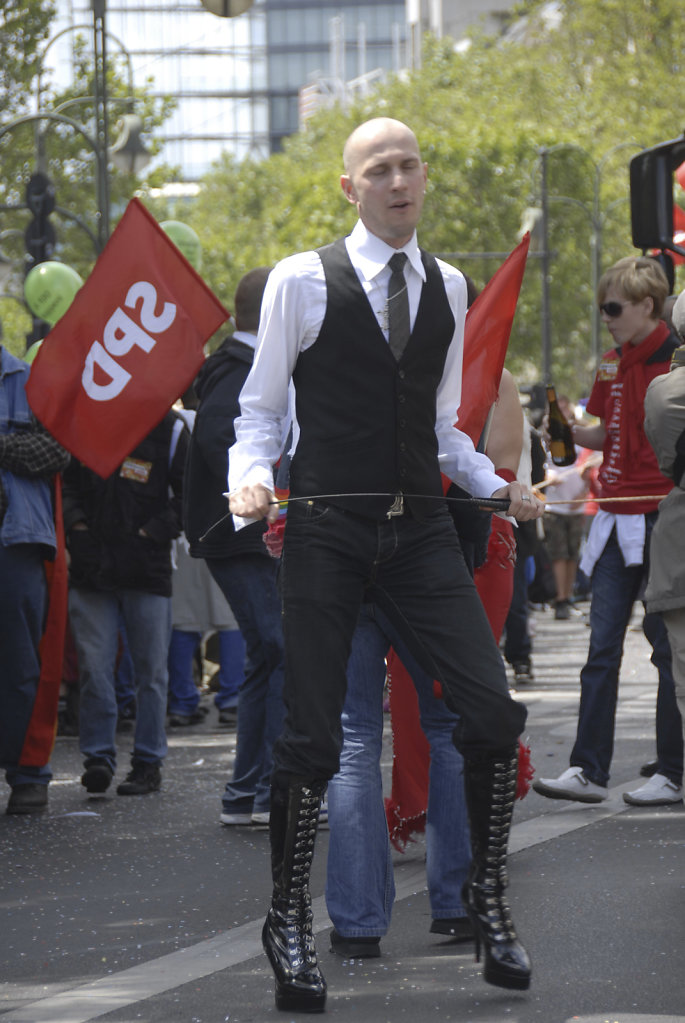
(59,150)
(24,27)
(482,115)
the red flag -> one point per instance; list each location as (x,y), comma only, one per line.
(130,343)
(486,338)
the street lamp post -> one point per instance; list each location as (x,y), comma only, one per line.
(100,141)
(597,218)
(128,152)
(101,111)
(100,159)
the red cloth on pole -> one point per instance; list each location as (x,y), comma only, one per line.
(130,343)
(40,734)
(486,338)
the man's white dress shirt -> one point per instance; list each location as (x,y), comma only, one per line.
(293,310)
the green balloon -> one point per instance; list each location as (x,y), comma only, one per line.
(185,239)
(31,352)
(49,290)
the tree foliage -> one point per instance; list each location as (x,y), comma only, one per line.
(590,90)
(24,26)
(65,152)
(592,93)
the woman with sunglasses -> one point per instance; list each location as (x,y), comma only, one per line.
(631,297)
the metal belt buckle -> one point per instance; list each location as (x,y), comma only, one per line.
(397,506)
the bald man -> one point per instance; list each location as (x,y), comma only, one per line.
(370,331)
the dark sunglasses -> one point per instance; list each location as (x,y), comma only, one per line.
(613,309)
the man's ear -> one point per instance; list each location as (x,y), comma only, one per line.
(348,189)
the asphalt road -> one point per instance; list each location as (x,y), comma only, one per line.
(146,909)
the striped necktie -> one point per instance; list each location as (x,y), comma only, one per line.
(398,305)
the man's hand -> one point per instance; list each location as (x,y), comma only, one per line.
(254,502)
(523,505)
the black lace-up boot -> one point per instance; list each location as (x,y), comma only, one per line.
(490,784)
(287,935)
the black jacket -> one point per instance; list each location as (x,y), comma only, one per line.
(145,493)
(205,509)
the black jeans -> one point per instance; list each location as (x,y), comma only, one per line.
(334,560)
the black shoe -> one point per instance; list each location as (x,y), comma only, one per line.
(29,798)
(523,671)
(97,776)
(183,720)
(458,928)
(141,779)
(562,611)
(648,770)
(228,717)
(356,948)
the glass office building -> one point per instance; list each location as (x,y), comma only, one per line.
(308,41)
(238,80)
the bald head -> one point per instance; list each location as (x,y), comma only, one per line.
(372,134)
(385,178)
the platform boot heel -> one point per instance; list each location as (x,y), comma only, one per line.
(490,785)
(287,934)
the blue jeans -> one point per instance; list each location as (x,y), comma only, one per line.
(517,642)
(360,888)
(232,655)
(249,584)
(124,682)
(414,571)
(23,606)
(94,618)
(615,588)
(183,692)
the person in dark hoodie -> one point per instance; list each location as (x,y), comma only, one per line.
(119,532)
(239,561)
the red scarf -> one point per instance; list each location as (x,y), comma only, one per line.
(631,373)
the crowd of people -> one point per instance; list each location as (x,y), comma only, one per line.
(340,383)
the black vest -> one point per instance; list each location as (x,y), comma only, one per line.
(367,422)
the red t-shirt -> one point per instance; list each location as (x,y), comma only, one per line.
(605,401)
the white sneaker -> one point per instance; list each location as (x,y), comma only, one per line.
(261,817)
(572,784)
(236,818)
(658,791)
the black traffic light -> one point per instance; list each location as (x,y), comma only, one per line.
(39,236)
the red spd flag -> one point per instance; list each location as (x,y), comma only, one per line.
(130,343)
(486,338)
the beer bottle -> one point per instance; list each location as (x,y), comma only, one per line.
(561,446)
